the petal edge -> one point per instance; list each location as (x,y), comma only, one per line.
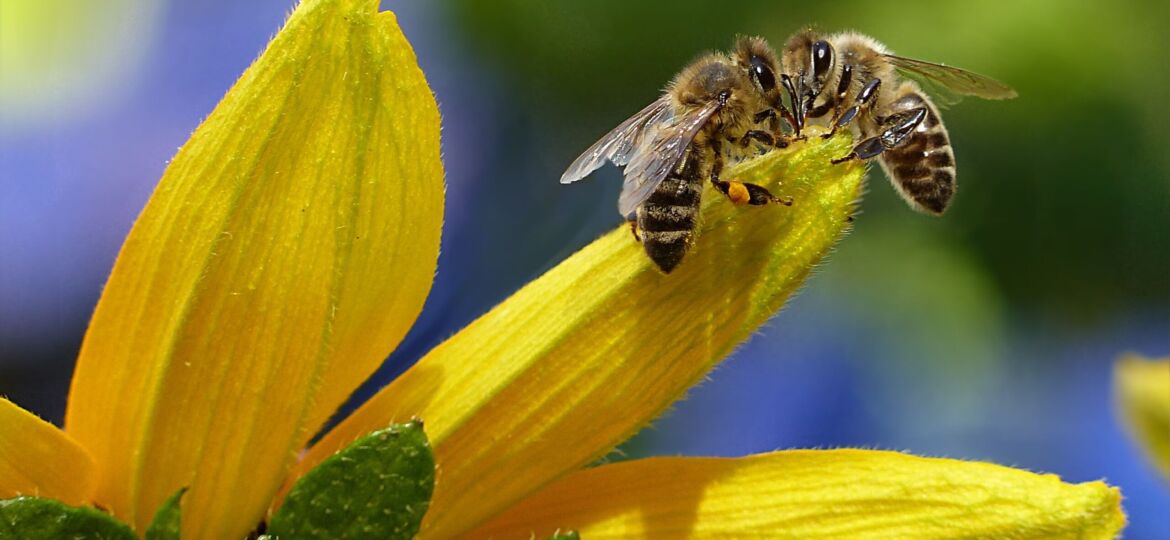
(1142,389)
(813,494)
(40,460)
(252,295)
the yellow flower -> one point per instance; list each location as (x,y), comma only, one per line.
(1142,387)
(289,247)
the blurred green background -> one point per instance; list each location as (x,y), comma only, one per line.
(988,333)
(1064,193)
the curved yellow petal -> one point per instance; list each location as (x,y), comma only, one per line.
(813,494)
(38,459)
(580,359)
(286,251)
(1142,387)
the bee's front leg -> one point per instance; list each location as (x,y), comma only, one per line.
(764,116)
(895,130)
(772,137)
(763,137)
(865,98)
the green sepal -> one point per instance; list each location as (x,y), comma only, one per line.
(166,522)
(377,487)
(567,535)
(36,518)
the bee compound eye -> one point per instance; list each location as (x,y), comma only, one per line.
(763,74)
(822,59)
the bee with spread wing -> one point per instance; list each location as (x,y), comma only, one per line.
(720,105)
(849,79)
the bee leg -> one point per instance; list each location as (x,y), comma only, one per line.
(740,192)
(745,193)
(865,98)
(733,190)
(758,195)
(836,99)
(895,129)
(773,119)
(763,137)
(788,117)
(634,229)
(768,116)
(762,116)
(780,138)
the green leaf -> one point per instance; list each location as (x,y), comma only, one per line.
(567,535)
(34,518)
(165,525)
(377,487)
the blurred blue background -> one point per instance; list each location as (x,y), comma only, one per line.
(987,334)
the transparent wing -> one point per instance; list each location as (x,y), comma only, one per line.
(652,160)
(942,96)
(949,83)
(619,142)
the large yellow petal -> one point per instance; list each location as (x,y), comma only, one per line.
(286,251)
(813,494)
(581,358)
(38,459)
(1142,387)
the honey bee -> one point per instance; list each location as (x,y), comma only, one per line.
(720,106)
(849,79)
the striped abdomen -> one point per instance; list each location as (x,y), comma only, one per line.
(666,221)
(922,168)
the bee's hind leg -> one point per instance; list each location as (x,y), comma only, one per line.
(745,193)
(895,129)
(740,192)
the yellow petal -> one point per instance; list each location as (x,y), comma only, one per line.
(813,494)
(286,251)
(1142,387)
(38,459)
(583,357)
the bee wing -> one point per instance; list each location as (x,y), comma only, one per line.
(620,141)
(951,83)
(652,160)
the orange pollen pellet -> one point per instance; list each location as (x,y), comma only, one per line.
(738,193)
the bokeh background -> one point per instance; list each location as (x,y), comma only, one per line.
(987,334)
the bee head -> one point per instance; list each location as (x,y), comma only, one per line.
(756,58)
(713,79)
(708,79)
(809,59)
